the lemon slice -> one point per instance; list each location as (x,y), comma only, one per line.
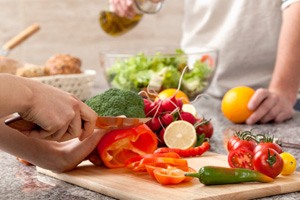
(189,108)
(180,134)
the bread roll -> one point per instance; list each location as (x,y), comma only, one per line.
(63,64)
(8,65)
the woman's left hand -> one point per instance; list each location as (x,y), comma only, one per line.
(269,107)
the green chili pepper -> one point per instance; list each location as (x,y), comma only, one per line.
(214,175)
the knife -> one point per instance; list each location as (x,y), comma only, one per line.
(282,143)
(18,39)
(21,124)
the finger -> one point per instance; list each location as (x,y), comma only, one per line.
(284,116)
(57,136)
(258,97)
(75,126)
(88,117)
(270,115)
(39,134)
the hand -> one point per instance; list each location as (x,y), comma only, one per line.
(269,107)
(123,8)
(60,115)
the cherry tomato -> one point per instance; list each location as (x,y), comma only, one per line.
(231,142)
(289,163)
(246,144)
(204,126)
(271,145)
(241,158)
(268,162)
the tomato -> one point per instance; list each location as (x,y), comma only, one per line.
(271,145)
(241,158)
(119,145)
(204,126)
(268,162)
(289,163)
(171,175)
(231,142)
(247,144)
(207,59)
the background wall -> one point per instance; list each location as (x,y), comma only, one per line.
(71,26)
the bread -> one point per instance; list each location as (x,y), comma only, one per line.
(63,64)
(30,70)
(8,65)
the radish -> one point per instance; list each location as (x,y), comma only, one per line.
(169,104)
(167,119)
(154,124)
(161,137)
(147,106)
(186,116)
(179,103)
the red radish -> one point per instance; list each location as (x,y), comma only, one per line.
(169,104)
(161,137)
(179,103)
(167,119)
(154,124)
(186,116)
(156,109)
(148,105)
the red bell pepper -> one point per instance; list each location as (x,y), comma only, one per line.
(191,152)
(118,145)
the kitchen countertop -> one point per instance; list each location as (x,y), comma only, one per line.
(19,181)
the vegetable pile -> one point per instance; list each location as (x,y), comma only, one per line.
(259,153)
(169,110)
(135,73)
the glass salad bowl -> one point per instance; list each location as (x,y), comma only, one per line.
(160,69)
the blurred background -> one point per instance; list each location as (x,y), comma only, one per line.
(72,27)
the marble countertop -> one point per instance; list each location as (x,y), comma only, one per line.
(19,181)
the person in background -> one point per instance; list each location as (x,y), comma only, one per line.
(259,46)
(61,117)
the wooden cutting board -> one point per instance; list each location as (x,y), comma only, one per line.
(123,184)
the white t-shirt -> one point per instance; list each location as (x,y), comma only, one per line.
(244,31)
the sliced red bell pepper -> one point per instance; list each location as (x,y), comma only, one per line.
(191,152)
(171,175)
(140,166)
(118,145)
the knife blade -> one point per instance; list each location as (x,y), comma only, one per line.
(17,122)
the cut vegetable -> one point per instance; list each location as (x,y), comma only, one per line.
(180,134)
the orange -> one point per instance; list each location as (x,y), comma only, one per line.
(234,104)
(167,93)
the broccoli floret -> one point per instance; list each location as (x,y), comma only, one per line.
(116,102)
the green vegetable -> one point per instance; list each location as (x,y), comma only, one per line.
(213,175)
(116,102)
(134,73)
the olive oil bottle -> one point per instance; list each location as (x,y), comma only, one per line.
(115,25)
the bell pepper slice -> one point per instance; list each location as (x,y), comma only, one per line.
(169,176)
(118,145)
(140,166)
(150,169)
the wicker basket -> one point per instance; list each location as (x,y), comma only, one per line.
(77,84)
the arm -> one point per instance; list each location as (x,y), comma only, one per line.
(51,155)
(276,103)
(58,113)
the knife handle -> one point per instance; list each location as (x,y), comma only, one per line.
(21,124)
(12,43)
